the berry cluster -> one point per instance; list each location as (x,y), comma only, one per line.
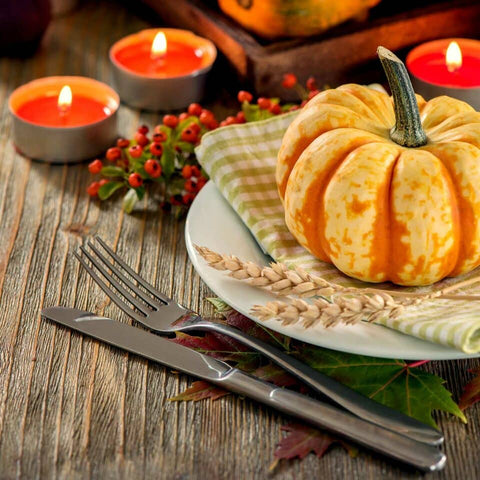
(167,157)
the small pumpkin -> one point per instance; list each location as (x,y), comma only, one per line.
(296,18)
(385,188)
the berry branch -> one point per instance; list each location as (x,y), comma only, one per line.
(167,160)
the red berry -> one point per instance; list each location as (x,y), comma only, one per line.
(304,102)
(201,181)
(195,109)
(142,129)
(188,198)
(113,154)
(189,135)
(92,189)
(207,117)
(170,121)
(183,116)
(187,171)
(141,139)
(153,168)
(241,117)
(156,149)
(160,137)
(293,108)
(264,103)
(244,96)
(195,127)
(103,182)
(275,109)
(231,120)
(313,93)
(195,171)
(289,80)
(123,143)
(190,186)
(223,123)
(311,83)
(135,151)
(95,166)
(135,180)
(212,125)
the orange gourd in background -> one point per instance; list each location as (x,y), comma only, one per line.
(382,203)
(296,18)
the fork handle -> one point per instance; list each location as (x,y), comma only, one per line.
(342,395)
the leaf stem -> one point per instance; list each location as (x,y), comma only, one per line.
(417,364)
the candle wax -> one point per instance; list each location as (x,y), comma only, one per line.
(432,67)
(44,111)
(179,59)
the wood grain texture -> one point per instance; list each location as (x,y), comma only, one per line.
(71,408)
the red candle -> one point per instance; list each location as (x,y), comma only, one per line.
(63,119)
(45,111)
(430,62)
(447,67)
(176,59)
(161,69)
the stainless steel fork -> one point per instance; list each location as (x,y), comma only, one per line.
(159,313)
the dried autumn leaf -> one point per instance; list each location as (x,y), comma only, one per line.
(301,440)
(200,390)
(471,392)
(390,382)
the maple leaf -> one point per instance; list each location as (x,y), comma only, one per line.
(200,390)
(390,382)
(301,440)
(471,392)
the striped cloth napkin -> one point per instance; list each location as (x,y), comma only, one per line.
(240,160)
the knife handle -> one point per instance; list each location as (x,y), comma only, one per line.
(342,395)
(422,456)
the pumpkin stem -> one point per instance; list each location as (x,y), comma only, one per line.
(408,130)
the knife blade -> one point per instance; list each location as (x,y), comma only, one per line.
(153,347)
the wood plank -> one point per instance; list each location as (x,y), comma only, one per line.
(71,408)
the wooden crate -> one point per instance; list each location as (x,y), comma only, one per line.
(340,55)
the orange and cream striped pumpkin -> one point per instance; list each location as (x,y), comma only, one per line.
(404,210)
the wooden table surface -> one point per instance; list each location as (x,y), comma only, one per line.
(74,408)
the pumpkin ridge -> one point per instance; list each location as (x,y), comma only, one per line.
(388,122)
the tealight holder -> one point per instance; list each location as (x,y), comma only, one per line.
(159,92)
(64,144)
(435,52)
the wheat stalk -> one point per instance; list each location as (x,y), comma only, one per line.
(281,280)
(347,310)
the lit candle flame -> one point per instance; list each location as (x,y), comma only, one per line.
(453,57)
(65,99)
(159,45)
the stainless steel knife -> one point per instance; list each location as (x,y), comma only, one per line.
(420,455)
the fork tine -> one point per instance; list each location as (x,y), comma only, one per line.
(132,272)
(123,278)
(115,299)
(115,283)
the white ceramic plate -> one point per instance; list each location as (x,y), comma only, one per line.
(212,223)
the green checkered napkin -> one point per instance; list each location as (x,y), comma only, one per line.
(240,160)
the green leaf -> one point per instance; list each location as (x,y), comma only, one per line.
(253,113)
(129,200)
(390,382)
(107,190)
(112,171)
(186,146)
(219,304)
(140,191)
(168,162)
